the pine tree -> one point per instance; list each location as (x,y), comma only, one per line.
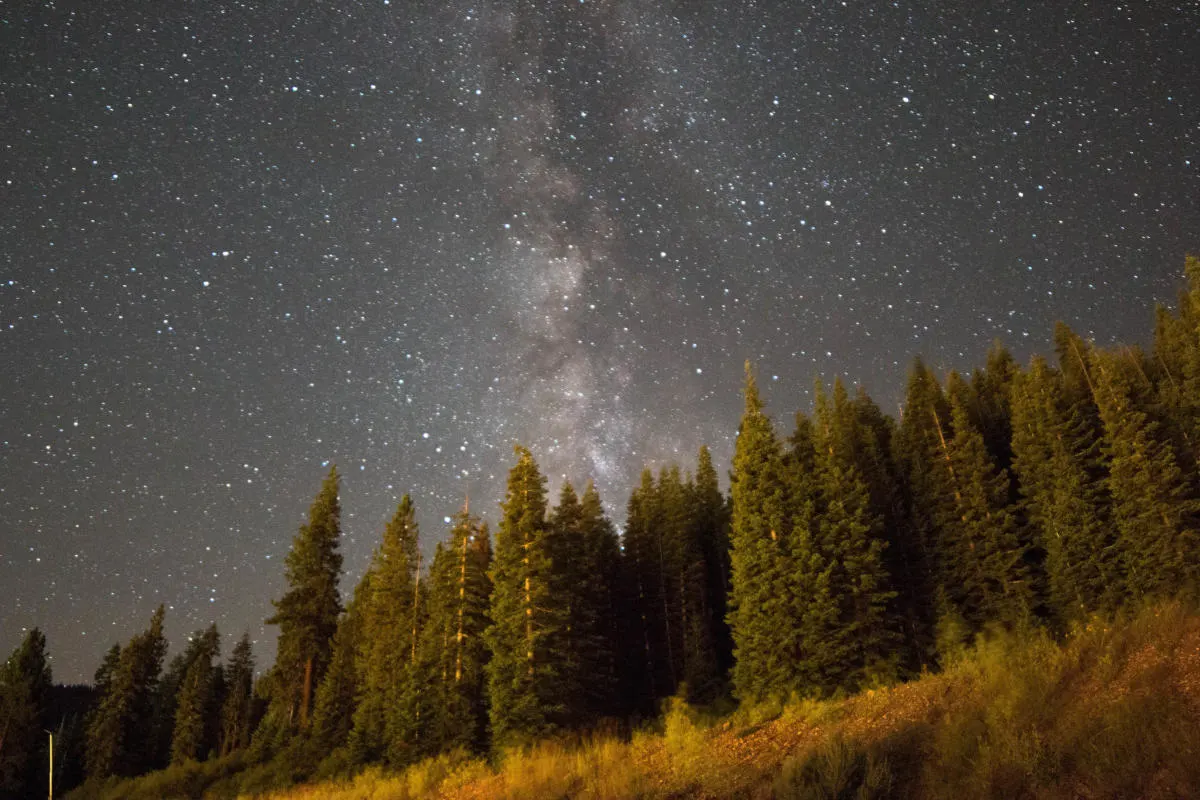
(595,621)
(1177,363)
(118,733)
(710,521)
(459,591)
(410,719)
(982,566)
(435,653)
(806,582)
(686,587)
(166,700)
(798,468)
(25,684)
(524,673)
(874,456)
(778,599)
(919,453)
(1074,356)
(811,660)
(189,738)
(583,550)
(1057,456)
(872,433)
(564,544)
(991,411)
(852,544)
(307,614)
(649,664)
(236,709)
(67,711)
(218,690)
(102,679)
(675,555)
(335,704)
(386,653)
(1154,501)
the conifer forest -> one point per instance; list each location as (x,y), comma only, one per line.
(851,550)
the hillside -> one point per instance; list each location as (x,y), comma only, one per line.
(1113,711)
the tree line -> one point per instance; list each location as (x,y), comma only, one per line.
(855,551)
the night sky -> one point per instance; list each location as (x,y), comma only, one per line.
(242,241)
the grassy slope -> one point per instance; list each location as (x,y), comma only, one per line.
(1113,712)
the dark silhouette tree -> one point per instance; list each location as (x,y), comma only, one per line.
(307,614)
(25,684)
(119,731)
(710,521)
(237,708)
(650,671)
(991,403)
(189,740)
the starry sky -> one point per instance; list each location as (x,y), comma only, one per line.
(242,241)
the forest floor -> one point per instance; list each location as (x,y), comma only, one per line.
(1111,711)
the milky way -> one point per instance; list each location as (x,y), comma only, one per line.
(241,243)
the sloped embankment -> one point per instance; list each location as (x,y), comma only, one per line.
(1112,712)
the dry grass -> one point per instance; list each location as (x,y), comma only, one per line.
(1112,712)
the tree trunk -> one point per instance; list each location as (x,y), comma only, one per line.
(462,601)
(528,598)
(662,586)
(415,605)
(306,692)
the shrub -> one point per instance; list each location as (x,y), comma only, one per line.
(542,771)
(836,770)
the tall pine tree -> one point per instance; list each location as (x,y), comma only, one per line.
(453,645)
(237,708)
(649,661)
(382,723)
(307,614)
(565,547)
(595,620)
(583,550)
(119,732)
(991,403)
(852,543)
(1154,501)
(874,456)
(710,522)
(1177,362)
(981,560)
(334,706)
(25,685)
(526,668)
(780,599)
(1057,456)
(189,740)
(170,685)
(918,455)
